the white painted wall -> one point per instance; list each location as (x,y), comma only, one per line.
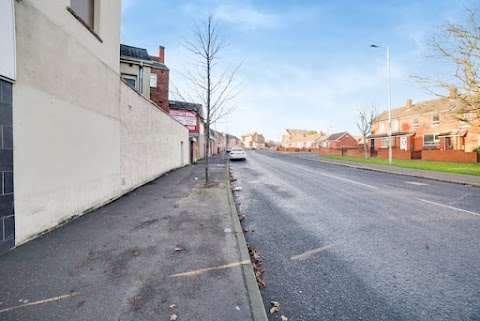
(151,140)
(81,136)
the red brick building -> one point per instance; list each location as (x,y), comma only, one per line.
(427,128)
(337,140)
(159,79)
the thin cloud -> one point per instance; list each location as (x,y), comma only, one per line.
(246,17)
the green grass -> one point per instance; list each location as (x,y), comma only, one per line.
(449,167)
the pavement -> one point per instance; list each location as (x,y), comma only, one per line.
(462,179)
(169,250)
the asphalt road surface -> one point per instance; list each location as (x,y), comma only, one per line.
(347,244)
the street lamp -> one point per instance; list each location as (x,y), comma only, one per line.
(389,105)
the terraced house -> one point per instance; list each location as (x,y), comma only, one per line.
(435,129)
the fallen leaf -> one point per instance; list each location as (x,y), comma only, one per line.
(241,217)
(275,307)
(173,317)
(284,318)
(136,253)
(171,306)
(81,303)
(178,248)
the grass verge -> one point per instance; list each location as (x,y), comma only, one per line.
(449,167)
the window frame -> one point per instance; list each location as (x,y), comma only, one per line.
(95,21)
(126,77)
(384,142)
(435,140)
(156,80)
(436,122)
(415,122)
(395,125)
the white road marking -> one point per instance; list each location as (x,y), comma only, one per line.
(308,254)
(214,268)
(450,207)
(334,177)
(417,183)
(61,297)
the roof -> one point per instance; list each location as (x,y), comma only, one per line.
(395,134)
(461,132)
(134,52)
(156,64)
(141,54)
(308,138)
(336,136)
(436,105)
(297,131)
(183,105)
(322,138)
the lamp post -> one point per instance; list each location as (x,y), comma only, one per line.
(389,105)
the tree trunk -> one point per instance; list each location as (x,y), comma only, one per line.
(207,156)
(365,146)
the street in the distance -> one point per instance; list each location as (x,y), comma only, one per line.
(341,243)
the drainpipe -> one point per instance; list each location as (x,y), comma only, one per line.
(140,80)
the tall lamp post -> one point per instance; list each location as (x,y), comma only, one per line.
(389,105)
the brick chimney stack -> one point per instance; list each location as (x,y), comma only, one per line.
(161,54)
(408,105)
(453,92)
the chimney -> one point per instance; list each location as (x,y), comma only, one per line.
(453,92)
(161,54)
(409,104)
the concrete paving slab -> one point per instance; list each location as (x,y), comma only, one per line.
(167,248)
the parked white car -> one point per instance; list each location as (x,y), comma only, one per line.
(238,153)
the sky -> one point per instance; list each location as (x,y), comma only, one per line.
(305,64)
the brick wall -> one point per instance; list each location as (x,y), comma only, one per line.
(450,156)
(7,218)
(159,94)
(330,151)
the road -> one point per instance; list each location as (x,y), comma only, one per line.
(347,244)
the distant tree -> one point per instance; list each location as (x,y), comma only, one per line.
(459,44)
(312,132)
(366,117)
(208,82)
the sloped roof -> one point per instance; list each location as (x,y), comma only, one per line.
(436,105)
(297,131)
(322,138)
(308,138)
(134,52)
(336,136)
(183,105)
(157,64)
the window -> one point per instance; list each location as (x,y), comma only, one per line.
(385,142)
(131,80)
(395,125)
(381,127)
(431,140)
(436,119)
(415,122)
(84,10)
(153,80)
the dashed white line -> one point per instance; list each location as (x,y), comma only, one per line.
(450,207)
(417,183)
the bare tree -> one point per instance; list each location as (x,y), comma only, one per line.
(207,79)
(458,44)
(366,117)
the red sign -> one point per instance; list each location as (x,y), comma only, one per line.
(186,118)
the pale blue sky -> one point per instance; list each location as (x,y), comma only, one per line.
(307,64)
